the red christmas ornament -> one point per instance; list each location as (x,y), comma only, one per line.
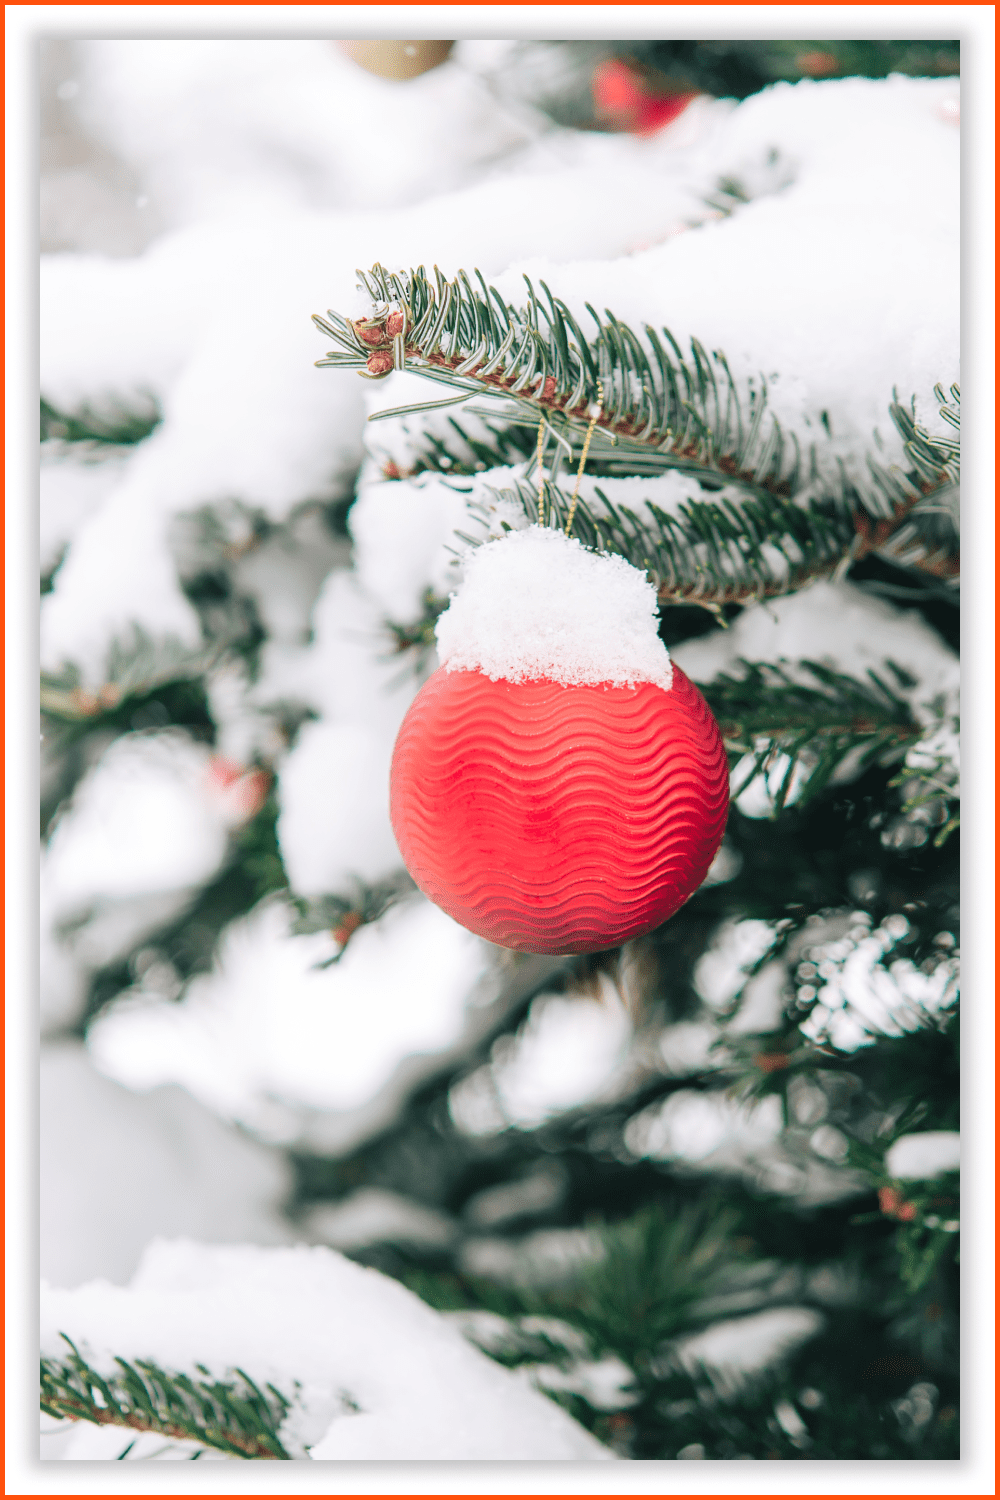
(626,100)
(554,818)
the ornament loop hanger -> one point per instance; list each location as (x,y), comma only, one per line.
(594,412)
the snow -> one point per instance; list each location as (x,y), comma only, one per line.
(570,1051)
(382,1375)
(506,1202)
(229,350)
(405,542)
(408,535)
(145,819)
(736,946)
(168,1166)
(277,169)
(758,797)
(685,1047)
(86,1441)
(333,828)
(921,1157)
(242,731)
(192,116)
(146,827)
(271,1034)
(72,486)
(350,673)
(116,575)
(738,1349)
(762,1002)
(536,604)
(62,979)
(733,1352)
(832,258)
(284,572)
(547,1257)
(607,1384)
(373,1216)
(847,629)
(864,988)
(837,624)
(709,1129)
(98,346)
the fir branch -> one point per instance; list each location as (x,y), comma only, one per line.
(660,410)
(912,519)
(233,1416)
(135,666)
(459,453)
(768,711)
(117,425)
(343,914)
(711,552)
(929,797)
(653,1270)
(685,410)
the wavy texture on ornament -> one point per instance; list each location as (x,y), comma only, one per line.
(555,819)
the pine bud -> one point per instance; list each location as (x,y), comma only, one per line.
(395,324)
(371,331)
(379,363)
(772,1062)
(346,928)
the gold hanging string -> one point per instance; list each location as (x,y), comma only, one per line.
(595,413)
(541,476)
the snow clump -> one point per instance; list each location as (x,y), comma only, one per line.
(380,1375)
(921,1157)
(538,604)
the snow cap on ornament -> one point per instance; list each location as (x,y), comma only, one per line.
(557,785)
(537,604)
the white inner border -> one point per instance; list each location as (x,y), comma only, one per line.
(974,25)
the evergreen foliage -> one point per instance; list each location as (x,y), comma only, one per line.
(856,865)
(233,1416)
(556,77)
(114,425)
(736,69)
(775,519)
(660,410)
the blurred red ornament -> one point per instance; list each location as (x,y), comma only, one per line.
(238,791)
(554,819)
(892,1203)
(626,100)
(222,771)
